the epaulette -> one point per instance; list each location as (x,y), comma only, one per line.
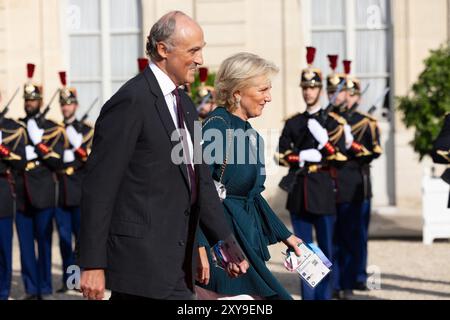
(20,123)
(88,135)
(370,117)
(338,118)
(89,125)
(367,115)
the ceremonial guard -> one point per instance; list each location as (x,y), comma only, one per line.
(310,146)
(79,136)
(352,184)
(12,158)
(37,191)
(365,131)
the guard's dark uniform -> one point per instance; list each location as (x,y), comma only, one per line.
(68,212)
(354,193)
(441,150)
(72,174)
(441,146)
(314,191)
(366,133)
(311,200)
(37,199)
(12,157)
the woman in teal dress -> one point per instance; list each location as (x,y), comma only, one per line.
(235,151)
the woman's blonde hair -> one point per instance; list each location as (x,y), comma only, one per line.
(236,73)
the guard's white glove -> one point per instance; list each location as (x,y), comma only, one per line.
(34,132)
(348,136)
(69,156)
(75,138)
(309,155)
(319,133)
(30,154)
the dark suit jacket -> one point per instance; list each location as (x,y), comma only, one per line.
(136,218)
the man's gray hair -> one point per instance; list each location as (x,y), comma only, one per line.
(162,30)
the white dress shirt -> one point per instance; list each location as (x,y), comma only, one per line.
(167,86)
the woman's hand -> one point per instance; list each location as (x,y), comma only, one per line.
(202,266)
(293,242)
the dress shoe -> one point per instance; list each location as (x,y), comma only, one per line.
(63,289)
(30,297)
(361,286)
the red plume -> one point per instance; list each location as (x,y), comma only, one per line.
(347,66)
(203,74)
(310,55)
(30,70)
(62,77)
(333,61)
(142,64)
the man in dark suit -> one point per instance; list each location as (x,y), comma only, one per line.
(140,206)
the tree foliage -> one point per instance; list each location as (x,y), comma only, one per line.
(424,109)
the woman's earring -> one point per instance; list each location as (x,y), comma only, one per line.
(238,103)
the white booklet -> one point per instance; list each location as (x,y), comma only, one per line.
(312,265)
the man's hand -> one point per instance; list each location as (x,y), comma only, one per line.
(235,270)
(202,266)
(93,284)
(293,242)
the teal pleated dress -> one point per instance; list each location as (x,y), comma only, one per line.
(254,223)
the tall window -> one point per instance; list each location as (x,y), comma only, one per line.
(358,30)
(105,39)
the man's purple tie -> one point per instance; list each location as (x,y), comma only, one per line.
(186,153)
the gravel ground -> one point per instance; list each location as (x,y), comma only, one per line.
(404,269)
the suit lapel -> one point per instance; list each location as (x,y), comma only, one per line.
(164,114)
